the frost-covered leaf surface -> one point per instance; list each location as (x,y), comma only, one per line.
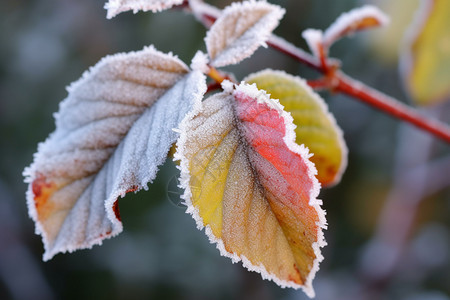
(240,30)
(316,127)
(112,132)
(115,7)
(426,59)
(355,20)
(252,187)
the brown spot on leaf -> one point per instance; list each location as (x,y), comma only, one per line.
(299,279)
(103,236)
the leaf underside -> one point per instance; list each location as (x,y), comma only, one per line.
(252,186)
(316,127)
(112,132)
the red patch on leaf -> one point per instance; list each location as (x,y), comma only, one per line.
(265,129)
(116,210)
(116,203)
(134,188)
(42,190)
(107,234)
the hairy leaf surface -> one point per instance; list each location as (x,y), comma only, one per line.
(252,187)
(115,7)
(240,30)
(112,132)
(426,63)
(316,127)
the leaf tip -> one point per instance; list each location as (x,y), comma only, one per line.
(200,62)
(313,38)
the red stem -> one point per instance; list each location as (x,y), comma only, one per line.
(319,84)
(393,107)
(298,54)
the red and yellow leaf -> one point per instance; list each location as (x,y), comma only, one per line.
(252,187)
(316,127)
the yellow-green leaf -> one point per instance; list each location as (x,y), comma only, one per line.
(427,65)
(316,127)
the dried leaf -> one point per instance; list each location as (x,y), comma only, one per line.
(252,187)
(361,18)
(316,127)
(240,30)
(112,132)
(426,59)
(115,7)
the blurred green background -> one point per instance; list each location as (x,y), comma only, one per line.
(45,45)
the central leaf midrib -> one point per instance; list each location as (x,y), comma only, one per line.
(256,174)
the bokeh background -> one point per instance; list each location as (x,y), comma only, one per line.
(389,218)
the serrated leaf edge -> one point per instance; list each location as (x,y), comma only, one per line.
(289,139)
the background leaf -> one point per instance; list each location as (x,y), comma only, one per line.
(252,187)
(316,127)
(240,30)
(426,61)
(112,132)
(115,7)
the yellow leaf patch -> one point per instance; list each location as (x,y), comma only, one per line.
(428,65)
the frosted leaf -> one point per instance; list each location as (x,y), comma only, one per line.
(112,132)
(115,7)
(357,19)
(313,38)
(240,30)
(251,186)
